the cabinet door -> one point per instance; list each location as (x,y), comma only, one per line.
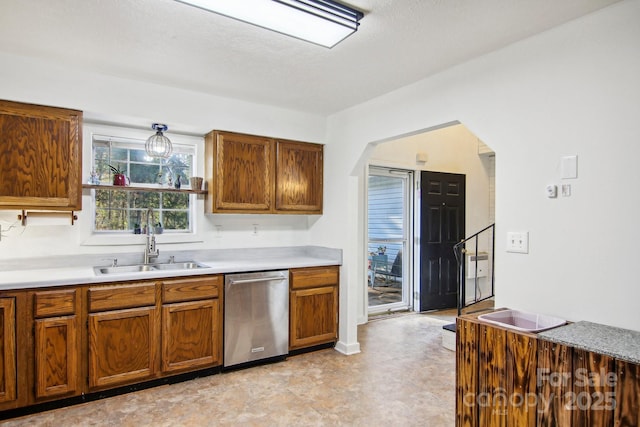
(522,359)
(466,373)
(492,389)
(554,384)
(7,350)
(41,163)
(57,353)
(313,316)
(123,346)
(593,389)
(627,399)
(299,168)
(239,170)
(190,335)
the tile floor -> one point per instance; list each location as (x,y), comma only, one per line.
(402,377)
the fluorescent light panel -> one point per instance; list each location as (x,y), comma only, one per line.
(322,22)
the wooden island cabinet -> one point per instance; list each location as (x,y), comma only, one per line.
(510,378)
(256,174)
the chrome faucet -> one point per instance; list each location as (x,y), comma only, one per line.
(150,250)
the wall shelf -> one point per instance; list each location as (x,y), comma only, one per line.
(133,188)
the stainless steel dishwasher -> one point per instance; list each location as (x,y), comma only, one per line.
(256,316)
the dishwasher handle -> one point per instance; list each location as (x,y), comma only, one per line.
(256,280)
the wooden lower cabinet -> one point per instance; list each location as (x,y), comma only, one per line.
(313,306)
(56,356)
(123,346)
(57,343)
(191,323)
(496,382)
(522,359)
(190,333)
(123,331)
(627,398)
(555,362)
(169,326)
(492,387)
(592,402)
(467,358)
(8,373)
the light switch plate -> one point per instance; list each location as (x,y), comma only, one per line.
(569,167)
(518,242)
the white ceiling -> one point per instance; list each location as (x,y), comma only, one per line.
(169,43)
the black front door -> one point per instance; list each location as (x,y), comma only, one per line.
(442,226)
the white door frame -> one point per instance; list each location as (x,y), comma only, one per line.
(407,240)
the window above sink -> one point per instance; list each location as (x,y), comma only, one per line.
(123,211)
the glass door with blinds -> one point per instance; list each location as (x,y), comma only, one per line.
(389,224)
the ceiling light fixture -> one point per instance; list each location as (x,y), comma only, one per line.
(323,22)
(158,145)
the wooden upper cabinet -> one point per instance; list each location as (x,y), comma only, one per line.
(239,172)
(41,162)
(299,168)
(255,174)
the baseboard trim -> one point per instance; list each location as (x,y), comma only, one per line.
(347,349)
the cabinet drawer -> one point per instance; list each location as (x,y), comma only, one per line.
(122,296)
(313,277)
(54,303)
(191,289)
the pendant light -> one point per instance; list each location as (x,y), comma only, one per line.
(158,145)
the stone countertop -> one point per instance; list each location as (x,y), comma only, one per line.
(78,269)
(622,344)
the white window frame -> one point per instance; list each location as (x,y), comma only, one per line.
(137,144)
(87,216)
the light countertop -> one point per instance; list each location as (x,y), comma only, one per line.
(79,269)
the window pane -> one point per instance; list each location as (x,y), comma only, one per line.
(112,199)
(118,154)
(111,219)
(145,200)
(144,173)
(176,220)
(175,201)
(141,156)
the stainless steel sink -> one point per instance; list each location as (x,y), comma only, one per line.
(189,265)
(139,268)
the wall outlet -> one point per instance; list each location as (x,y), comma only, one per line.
(518,242)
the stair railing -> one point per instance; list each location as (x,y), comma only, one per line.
(460,250)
